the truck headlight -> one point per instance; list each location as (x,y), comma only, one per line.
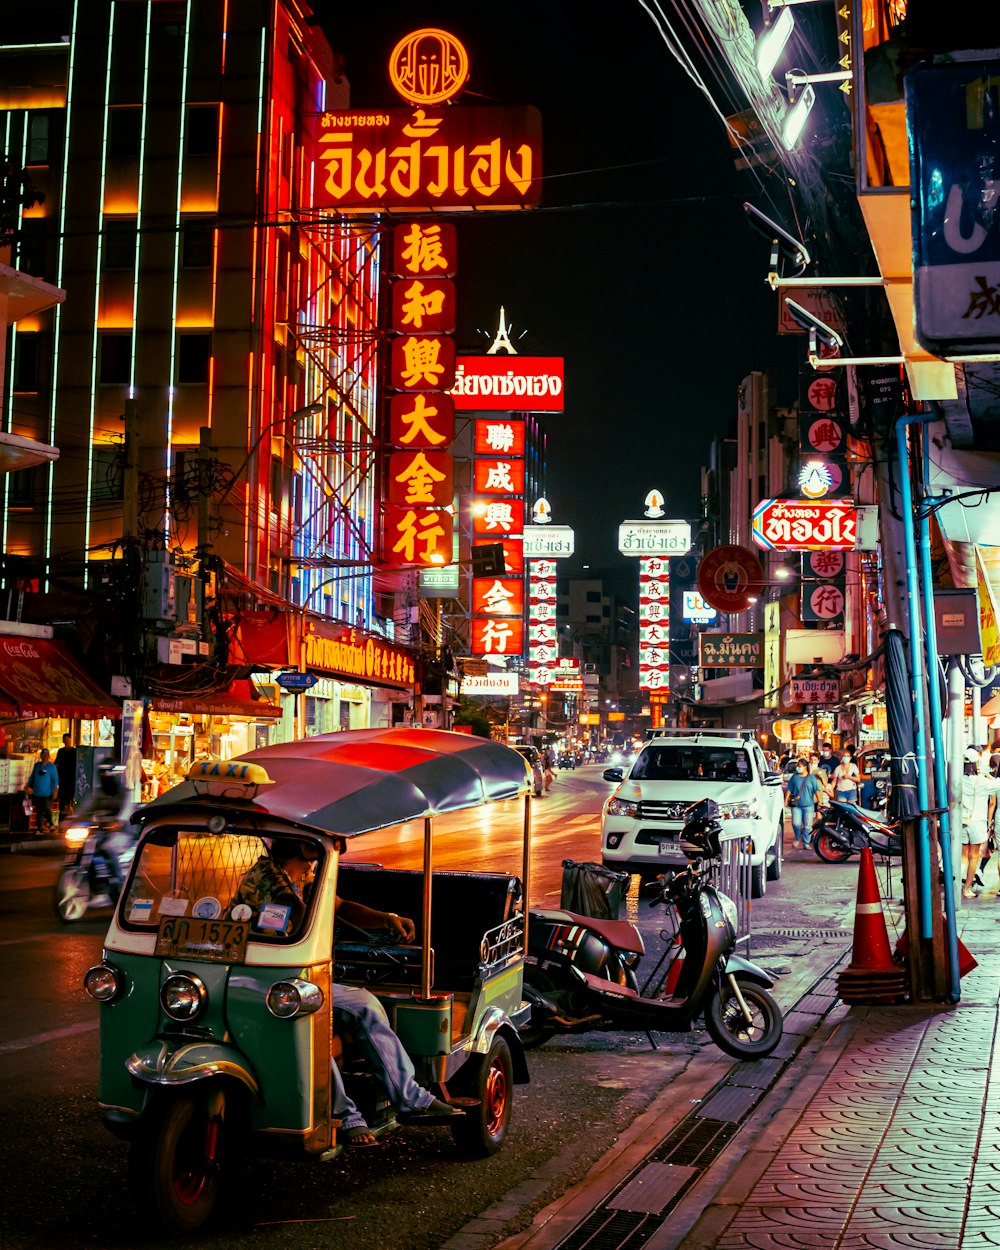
(622,807)
(739,811)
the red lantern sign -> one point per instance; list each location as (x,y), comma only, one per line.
(423,363)
(499,517)
(497,596)
(502,476)
(426,305)
(425,250)
(728,576)
(499,437)
(421,479)
(417,536)
(497,636)
(424,419)
(513,553)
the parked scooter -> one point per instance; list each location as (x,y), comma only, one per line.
(846,828)
(581,971)
(100,844)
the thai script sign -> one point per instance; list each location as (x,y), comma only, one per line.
(491,684)
(548,540)
(429,158)
(654,538)
(815,690)
(952,121)
(805,525)
(509,383)
(731,650)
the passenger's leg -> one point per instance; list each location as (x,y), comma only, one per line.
(363,1016)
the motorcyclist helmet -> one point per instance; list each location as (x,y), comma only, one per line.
(701,835)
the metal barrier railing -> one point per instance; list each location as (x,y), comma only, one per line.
(732,875)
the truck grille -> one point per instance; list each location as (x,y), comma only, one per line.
(657,809)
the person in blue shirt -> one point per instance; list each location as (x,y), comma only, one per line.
(803,787)
(43,787)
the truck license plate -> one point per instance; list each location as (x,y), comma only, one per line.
(671,847)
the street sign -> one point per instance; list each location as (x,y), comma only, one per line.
(296,681)
(804,525)
(731,650)
(812,690)
(547,540)
(654,538)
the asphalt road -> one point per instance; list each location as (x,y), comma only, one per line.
(65,1176)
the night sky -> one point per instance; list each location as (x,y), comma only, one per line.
(639,268)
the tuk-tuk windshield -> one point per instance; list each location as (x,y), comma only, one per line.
(264,884)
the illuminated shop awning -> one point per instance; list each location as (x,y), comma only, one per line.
(236,700)
(40,679)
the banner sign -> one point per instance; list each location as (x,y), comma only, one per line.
(731,650)
(428,158)
(804,525)
(501,684)
(508,384)
(552,541)
(954,129)
(654,538)
(811,690)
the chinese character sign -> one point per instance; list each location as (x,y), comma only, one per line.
(428,157)
(425,304)
(497,636)
(543,636)
(422,420)
(420,478)
(421,249)
(654,623)
(423,362)
(499,437)
(421,536)
(824,586)
(498,476)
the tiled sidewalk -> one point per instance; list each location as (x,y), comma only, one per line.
(900,1145)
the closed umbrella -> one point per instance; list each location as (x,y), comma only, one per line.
(903,801)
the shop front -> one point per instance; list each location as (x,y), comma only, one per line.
(45,694)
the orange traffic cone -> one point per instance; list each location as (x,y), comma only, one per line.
(871,977)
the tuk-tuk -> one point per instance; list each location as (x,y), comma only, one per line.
(216,1021)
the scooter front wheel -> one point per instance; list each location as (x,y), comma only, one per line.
(72,894)
(173,1168)
(732,1032)
(828,849)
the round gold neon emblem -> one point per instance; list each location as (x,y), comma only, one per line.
(429,66)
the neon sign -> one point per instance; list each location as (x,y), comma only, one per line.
(429,66)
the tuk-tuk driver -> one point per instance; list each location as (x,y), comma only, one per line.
(283,877)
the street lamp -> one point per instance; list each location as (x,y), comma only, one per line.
(300,414)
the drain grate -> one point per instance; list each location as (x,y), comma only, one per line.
(695,1141)
(612,1230)
(761,939)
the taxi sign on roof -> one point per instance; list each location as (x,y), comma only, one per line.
(229,770)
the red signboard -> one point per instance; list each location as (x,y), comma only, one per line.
(502,476)
(509,384)
(422,249)
(421,479)
(423,362)
(497,636)
(498,596)
(426,305)
(728,576)
(805,525)
(432,157)
(499,517)
(423,419)
(513,553)
(418,536)
(496,437)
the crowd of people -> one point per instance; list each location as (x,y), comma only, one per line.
(814,780)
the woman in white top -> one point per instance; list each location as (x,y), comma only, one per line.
(846,778)
(976,790)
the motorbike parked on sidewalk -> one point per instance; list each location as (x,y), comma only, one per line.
(93,872)
(581,972)
(846,828)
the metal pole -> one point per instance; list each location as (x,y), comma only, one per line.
(526,865)
(426,954)
(916,674)
(937,737)
(956,762)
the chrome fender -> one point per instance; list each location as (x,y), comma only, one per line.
(738,965)
(494,1022)
(161,1063)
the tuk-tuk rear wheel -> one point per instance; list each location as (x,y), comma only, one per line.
(490,1079)
(173,1166)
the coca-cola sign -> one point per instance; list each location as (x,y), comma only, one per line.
(805,525)
(508,384)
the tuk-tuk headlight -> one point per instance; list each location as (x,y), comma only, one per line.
(103,982)
(294,997)
(182,996)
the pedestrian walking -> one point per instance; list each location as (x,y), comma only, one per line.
(548,767)
(827,760)
(801,796)
(977,788)
(65,762)
(846,779)
(43,788)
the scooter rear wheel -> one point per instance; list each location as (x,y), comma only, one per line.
(535,1033)
(173,1168)
(72,894)
(829,851)
(728,1026)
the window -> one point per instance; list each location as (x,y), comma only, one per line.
(201,136)
(115,359)
(38,138)
(124,132)
(21,489)
(593,596)
(118,240)
(593,620)
(692,764)
(276,483)
(194,352)
(562,609)
(197,245)
(109,481)
(25,363)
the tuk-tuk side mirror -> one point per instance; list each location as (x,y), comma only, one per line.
(613,774)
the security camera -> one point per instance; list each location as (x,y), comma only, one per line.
(809,321)
(783,243)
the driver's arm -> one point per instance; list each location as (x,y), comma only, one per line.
(363,917)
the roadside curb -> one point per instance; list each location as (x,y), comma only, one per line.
(556,1220)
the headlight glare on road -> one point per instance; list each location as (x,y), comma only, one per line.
(182,996)
(103,982)
(622,807)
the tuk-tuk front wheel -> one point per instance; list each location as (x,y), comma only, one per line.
(481,1131)
(173,1167)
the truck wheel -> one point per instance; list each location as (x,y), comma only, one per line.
(758,880)
(481,1131)
(72,894)
(775,866)
(173,1166)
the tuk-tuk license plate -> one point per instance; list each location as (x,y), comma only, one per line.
(673,847)
(215,941)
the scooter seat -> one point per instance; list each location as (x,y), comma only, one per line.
(620,933)
(867,812)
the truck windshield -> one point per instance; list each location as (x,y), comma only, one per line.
(692,763)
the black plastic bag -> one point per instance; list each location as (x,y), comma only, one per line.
(593,890)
